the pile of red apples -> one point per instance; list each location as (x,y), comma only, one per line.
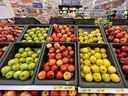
(122,55)
(117,34)
(60,64)
(61,33)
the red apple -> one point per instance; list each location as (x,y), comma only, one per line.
(54,93)
(51,55)
(71,60)
(65,53)
(41,75)
(46,67)
(50,74)
(119,35)
(34,93)
(58,56)
(116,40)
(69,48)
(71,52)
(58,50)
(52,61)
(71,68)
(54,68)
(63,93)
(59,75)
(56,45)
(123,40)
(62,48)
(51,50)
(65,60)
(125,69)
(63,67)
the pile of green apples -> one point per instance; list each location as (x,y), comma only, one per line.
(22,66)
(90,37)
(36,35)
(96,67)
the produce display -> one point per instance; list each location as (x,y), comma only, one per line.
(117,34)
(9,32)
(62,33)
(36,34)
(122,55)
(60,63)
(22,66)
(96,67)
(93,36)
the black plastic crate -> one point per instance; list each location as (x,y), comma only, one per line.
(34,26)
(55,81)
(113,45)
(23,28)
(10,55)
(119,21)
(90,28)
(84,21)
(61,21)
(101,84)
(27,20)
(73,26)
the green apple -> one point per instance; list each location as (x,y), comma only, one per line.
(21,50)
(106,62)
(34,55)
(16,74)
(29,60)
(15,67)
(106,77)
(24,75)
(18,55)
(22,60)
(9,75)
(27,49)
(23,66)
(87,62)
(12,62)
(24,54)
(31,66)
(5,70)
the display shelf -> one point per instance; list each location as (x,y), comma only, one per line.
(102,90)
(36,87)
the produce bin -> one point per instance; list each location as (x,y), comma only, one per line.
(101,84)
(90,28)
(119,21)
(10,55)
(118,62)
(61,21)
(34,26)
(73,26)
(43,60)
(84,21)
(23,28)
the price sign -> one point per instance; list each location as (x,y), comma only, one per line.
(37,5)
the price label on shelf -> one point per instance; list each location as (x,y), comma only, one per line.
(102,90)
(64,88)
